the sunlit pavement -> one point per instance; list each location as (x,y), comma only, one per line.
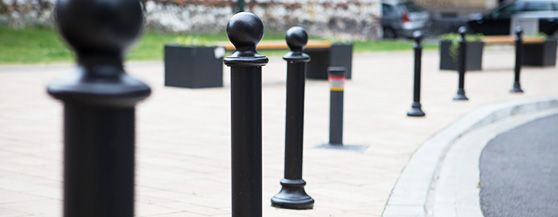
(183,135)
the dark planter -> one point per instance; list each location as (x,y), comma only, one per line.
(322,58)
(543,54)
(193,66)
(474,56)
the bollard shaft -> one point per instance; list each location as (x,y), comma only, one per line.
(417,78)
(516,88)
(336,117)
(240,4)
(99,161)
(294,130)
(518,58)
(246,146)
(462,63)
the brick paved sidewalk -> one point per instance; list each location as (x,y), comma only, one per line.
(184,135)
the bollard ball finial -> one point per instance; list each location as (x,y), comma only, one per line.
(518,30)
(417,35)
(296,38)
(99,31)
(462,30)
(99,28)
(245,30)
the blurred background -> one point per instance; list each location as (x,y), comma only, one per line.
(28,24)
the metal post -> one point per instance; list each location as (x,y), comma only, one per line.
(240,4)
(462,65)
(245,30)
(337,89)
(416,108)
(516,88)
(292,194)
(99,107)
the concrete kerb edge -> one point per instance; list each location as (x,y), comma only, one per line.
(411,195)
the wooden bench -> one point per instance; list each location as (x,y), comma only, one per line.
(510,40)
(282,45)
(322,53)
(537,51)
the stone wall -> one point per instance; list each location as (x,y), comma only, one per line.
(332,18)
(26,12)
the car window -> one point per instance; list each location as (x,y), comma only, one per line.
(387,10)
(411,7)
(538,6)
(506,11)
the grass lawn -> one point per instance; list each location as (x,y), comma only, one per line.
(35,45)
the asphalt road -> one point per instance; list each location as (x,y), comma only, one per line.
(519,171)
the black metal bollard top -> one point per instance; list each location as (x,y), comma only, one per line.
(417,36)
(296,38)
(99,32)
(245,30)
(462,32)
(518,32)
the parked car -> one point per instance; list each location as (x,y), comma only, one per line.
(400,18)
(498,20)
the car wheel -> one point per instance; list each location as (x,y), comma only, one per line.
(389,33)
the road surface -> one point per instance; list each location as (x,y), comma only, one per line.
(519,171)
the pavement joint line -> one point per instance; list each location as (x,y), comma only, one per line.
(411,196)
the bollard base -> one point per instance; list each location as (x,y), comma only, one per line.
(344,147)
(516,88)
(292,195)
(460,96)
(416,111)
(336,145)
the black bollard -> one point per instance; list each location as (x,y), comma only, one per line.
(461,65)
(416,108)
(292,194)
(245,30)
(337,89)
(516,88)
(99,106)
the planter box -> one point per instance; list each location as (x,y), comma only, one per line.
(337,55)
(543,54)
(474,56)
(193,66)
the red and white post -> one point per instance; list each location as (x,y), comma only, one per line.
(337,89)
